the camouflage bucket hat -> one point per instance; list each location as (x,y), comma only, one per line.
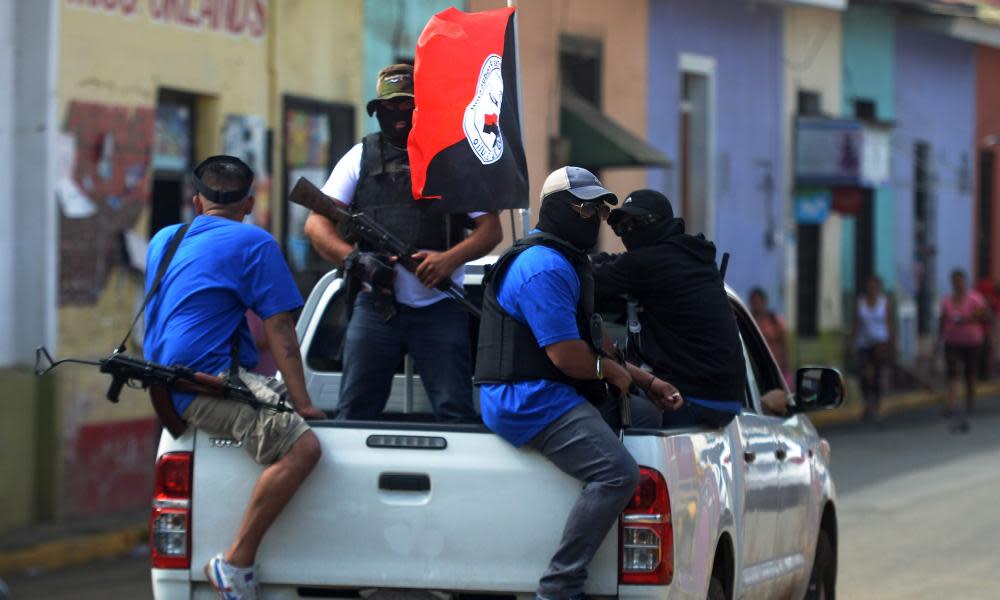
(393,81)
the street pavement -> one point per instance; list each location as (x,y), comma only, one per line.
(918,508)
(917,513)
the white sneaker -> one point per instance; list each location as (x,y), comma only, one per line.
(232,583)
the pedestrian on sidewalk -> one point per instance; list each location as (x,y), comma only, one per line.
(963,315)
(774,330)
(873,336)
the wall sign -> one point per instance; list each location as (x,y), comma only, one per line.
(235,17)
(841,152)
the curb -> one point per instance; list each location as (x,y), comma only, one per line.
(74,550)
(896,403)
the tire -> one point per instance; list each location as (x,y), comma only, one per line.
(823,579)
(716,591)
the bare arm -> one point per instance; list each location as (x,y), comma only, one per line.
(326,240)
(436,266)
(280,332)
(577,360)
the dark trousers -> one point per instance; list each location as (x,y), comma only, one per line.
(582,445)
(436,336)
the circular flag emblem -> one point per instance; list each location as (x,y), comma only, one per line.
(481,122)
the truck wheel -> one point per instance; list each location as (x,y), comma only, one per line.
(822,581)
(715,589)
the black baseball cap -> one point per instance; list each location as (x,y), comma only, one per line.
(579,182)
(640,203)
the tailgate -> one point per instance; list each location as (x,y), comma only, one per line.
(476,515)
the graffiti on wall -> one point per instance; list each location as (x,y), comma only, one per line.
(103,157)
(234,17)
(245,136)
(107,466)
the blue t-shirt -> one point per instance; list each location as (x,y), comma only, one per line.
(221,268)
(540,289)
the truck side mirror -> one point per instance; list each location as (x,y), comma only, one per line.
(818,388)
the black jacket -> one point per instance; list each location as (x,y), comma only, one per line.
(689,332)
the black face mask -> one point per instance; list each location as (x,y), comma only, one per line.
(641,237)
(387,119)
(558,217)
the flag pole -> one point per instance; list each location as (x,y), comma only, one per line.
(524,212)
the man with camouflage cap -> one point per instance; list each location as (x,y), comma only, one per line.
(398,312)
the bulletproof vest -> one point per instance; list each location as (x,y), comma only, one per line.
(384,194)
(507,350)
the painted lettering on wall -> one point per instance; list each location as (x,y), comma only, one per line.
(235,17)
(105,155)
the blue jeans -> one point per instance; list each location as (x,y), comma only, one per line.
(435,336)
(581,444)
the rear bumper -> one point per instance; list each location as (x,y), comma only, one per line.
(171,584)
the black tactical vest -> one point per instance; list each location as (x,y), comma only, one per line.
(384,194)
(507,350)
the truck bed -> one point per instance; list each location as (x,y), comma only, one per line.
(441,507)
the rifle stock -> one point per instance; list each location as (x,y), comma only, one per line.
(308,195)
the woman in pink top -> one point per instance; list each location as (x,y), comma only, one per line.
(963,314)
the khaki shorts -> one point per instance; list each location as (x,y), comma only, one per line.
(266,435)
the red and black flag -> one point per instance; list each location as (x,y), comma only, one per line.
(465,148)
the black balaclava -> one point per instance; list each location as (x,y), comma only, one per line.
(558,217)
(655,233)
(387,119)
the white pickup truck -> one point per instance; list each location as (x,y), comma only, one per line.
(408,508)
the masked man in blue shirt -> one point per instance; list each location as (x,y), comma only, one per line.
(220,269)
(533,362)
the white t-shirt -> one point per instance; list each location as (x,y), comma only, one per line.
(408,290)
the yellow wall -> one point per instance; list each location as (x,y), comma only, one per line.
(309,48)
(813,59)
(318,56)
(623,35)
(111,64)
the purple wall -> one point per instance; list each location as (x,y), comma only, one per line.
(746,43)
(935,103)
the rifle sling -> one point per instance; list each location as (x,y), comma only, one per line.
(168,256)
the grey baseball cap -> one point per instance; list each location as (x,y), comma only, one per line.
(579,182)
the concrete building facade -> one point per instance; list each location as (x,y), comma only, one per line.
(813,55)
(987,164)
(115,102)
(714,103)
(933,167)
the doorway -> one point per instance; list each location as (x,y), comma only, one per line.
(984,233)
(924,234)
(696,140)
(173,158)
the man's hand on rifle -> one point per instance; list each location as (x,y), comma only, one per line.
(371,268)
(434,267)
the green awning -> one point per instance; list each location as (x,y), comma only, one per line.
(596,141)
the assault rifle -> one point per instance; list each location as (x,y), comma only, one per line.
(159,379)
(366,230)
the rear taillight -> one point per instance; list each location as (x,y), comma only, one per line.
(647,534)
(170,521)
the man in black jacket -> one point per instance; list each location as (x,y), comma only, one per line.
(688,333)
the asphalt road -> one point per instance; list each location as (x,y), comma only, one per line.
(918,508)
(918,515)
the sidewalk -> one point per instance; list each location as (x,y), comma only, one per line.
(73,542)
(895,403)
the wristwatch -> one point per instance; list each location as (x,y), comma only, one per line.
(600,370)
